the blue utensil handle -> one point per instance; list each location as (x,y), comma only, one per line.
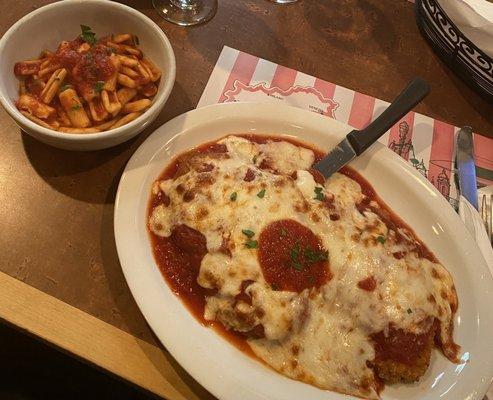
(414,92)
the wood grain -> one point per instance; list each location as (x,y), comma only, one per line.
(95,341)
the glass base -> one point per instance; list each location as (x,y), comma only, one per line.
(196,12)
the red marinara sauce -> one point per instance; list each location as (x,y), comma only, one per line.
(180,255)
(403,347)
(85,68)
(292,257)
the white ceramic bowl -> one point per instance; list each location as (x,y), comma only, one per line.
(47,26)
(220,367)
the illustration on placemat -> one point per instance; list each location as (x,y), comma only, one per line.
(442,183)
(404,147)
(298,96)
(443,180)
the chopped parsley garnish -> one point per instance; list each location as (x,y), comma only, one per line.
(261,194)
(251,244)
(318,193)
(274,286)
(297,265)
(295,257)
(380,239)
(65,86)
(87,34)
(314,256)
(409,311)
(76,107)
(255,158)
(248,232)
(301,257)
(135,40)
(233,196)
(284,232)
(295,251)
(99,86)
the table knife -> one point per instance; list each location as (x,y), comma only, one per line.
(357,141)
(466,169)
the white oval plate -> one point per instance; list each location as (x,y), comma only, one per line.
(219,366)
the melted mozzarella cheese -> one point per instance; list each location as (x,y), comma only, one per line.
(326,352)
(317,336)
(285,157)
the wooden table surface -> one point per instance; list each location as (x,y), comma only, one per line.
(56,207)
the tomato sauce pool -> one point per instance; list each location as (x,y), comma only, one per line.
(179,256)
(85,68)
(292,257)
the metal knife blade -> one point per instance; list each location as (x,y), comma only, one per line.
(357,141)
(466,169)
(336,159)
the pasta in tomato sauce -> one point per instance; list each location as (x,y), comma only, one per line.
(87,85)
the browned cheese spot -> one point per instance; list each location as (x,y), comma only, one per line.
(204,180)
(249,175)
(188,196)
(279,182)
(314,217)
(202,213)
(301,206)
(335,217)
(180,188)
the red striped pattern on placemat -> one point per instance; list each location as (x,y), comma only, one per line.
(326,88)
(442,149)
(361,110)
(426,143)
(283,78)
(242,71)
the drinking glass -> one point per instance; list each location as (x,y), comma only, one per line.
(186,12)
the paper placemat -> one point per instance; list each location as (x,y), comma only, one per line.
(427,143)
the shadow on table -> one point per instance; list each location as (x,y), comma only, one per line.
(120,292)
(356,27)
(258,26)
(89,175)
(81,175)
(470,96)
(237,24)
(36,371)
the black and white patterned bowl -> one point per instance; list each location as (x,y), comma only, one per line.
(469,62)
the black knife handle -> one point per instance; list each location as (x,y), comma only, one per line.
(415,91)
